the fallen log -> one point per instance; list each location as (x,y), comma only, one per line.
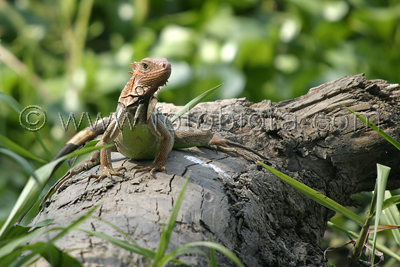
(264,221)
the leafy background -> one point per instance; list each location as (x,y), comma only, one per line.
(73,56)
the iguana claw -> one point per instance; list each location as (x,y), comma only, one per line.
(108,172)
(152,168)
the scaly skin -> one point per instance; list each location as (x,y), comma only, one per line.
(138,130)
(135,107)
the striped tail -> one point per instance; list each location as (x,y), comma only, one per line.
(83,136)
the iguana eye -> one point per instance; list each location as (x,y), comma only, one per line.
(144,65)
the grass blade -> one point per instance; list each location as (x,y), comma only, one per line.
(43,248)
(389,201)
(166,232)
(178,252)
(9,100)
(315,195)
(362,198)
(391,215)
(353,235)
(193,103)
(12,146)
(40,140)
(53,255)
(31,191)
(21,162)
(383,175)
(126,235)
(148,254)
(374,127)
(213,260)
(223,250)
(15,242)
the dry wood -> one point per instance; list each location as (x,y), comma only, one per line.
(244,207)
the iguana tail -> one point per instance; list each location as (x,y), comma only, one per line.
(75,143)
(83,137)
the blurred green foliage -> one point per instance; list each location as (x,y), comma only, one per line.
(73,56)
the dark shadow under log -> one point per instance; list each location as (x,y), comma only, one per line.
(261,219)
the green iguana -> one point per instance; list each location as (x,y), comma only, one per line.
(138,130)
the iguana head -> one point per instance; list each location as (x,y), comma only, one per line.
(148,77)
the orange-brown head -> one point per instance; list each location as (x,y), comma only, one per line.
(148,77)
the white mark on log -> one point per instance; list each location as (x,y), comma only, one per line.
(208,165)
(392,86)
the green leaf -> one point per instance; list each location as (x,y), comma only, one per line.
(91,143)
(53,255)
(391,214)
(383,175)
(178,252)
(193,103)
(374,127)
(363,197)
(21,162)
(223,250)
(40,140)
(7,143)
(390,201)
(74,224)
(9,100)
(12,245)
(126,235)
(32,213)
(40,224)
(18,231)
(148,254)
(42,249)
(166,232)
(9,258)
(212,255)
(134,248)
(379,246)
(31,191)
(15,232)
(314,195)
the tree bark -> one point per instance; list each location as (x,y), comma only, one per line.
(264,221)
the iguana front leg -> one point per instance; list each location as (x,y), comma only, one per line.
(105,153)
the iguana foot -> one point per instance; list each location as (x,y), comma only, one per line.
(152,168)
(108,172)
(225,145)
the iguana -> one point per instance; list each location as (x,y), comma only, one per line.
(138,130)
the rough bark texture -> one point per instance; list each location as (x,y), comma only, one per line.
(261,219)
